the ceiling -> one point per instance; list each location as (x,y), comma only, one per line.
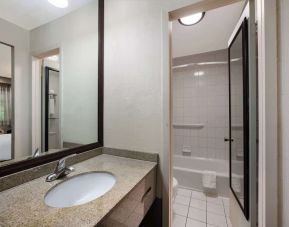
(30,14)
(212,33)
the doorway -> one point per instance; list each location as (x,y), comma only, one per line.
(52,139)
(200,154)
(46,104)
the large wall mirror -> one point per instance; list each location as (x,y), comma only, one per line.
(239,117)
(51,80)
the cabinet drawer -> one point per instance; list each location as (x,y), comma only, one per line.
(133,208)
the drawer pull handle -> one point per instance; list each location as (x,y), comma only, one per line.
(146,193)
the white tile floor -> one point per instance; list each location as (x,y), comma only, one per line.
(195,209)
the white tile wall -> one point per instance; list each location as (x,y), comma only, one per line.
(202,99)
(237,109)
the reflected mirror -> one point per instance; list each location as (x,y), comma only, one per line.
(6,75)
(49,72)
(239,118)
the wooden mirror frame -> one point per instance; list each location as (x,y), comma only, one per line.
(30,163)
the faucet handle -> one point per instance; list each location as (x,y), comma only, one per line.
(69,170)
(61,163)
(36,153)
(60,169)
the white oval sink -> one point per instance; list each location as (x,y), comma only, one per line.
(80,189)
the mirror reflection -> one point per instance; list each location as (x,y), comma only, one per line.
(5,102)
(48,77)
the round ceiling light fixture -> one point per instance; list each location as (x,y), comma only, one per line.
(59,3)
(192,19)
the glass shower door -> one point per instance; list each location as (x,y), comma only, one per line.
(52,138)
(239,117)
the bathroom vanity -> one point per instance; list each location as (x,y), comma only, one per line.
(125,204)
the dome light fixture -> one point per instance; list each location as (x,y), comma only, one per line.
(59,3)
(53,58)
(192,19)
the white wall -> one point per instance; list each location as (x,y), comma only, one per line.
(76,34)
(133,72)
(19,38)
(132,86)
(283,101)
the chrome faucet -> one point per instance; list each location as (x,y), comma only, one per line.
(60,170)
(36,153)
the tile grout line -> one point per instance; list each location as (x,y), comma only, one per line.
(199,209)
(188,209)
(225,215)
(223,206)
(191,197)
(225,212)
(181,215)
(183,205)
(206,212)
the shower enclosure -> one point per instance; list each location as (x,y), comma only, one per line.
(201,119)
(52,139)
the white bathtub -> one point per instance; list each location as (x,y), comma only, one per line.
(188,171)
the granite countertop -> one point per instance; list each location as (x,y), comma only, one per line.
(24,205)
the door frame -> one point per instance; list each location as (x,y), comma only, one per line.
(266,16)
(267,103)
(38,96)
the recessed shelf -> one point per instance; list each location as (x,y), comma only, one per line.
(179,125)
(237,126)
